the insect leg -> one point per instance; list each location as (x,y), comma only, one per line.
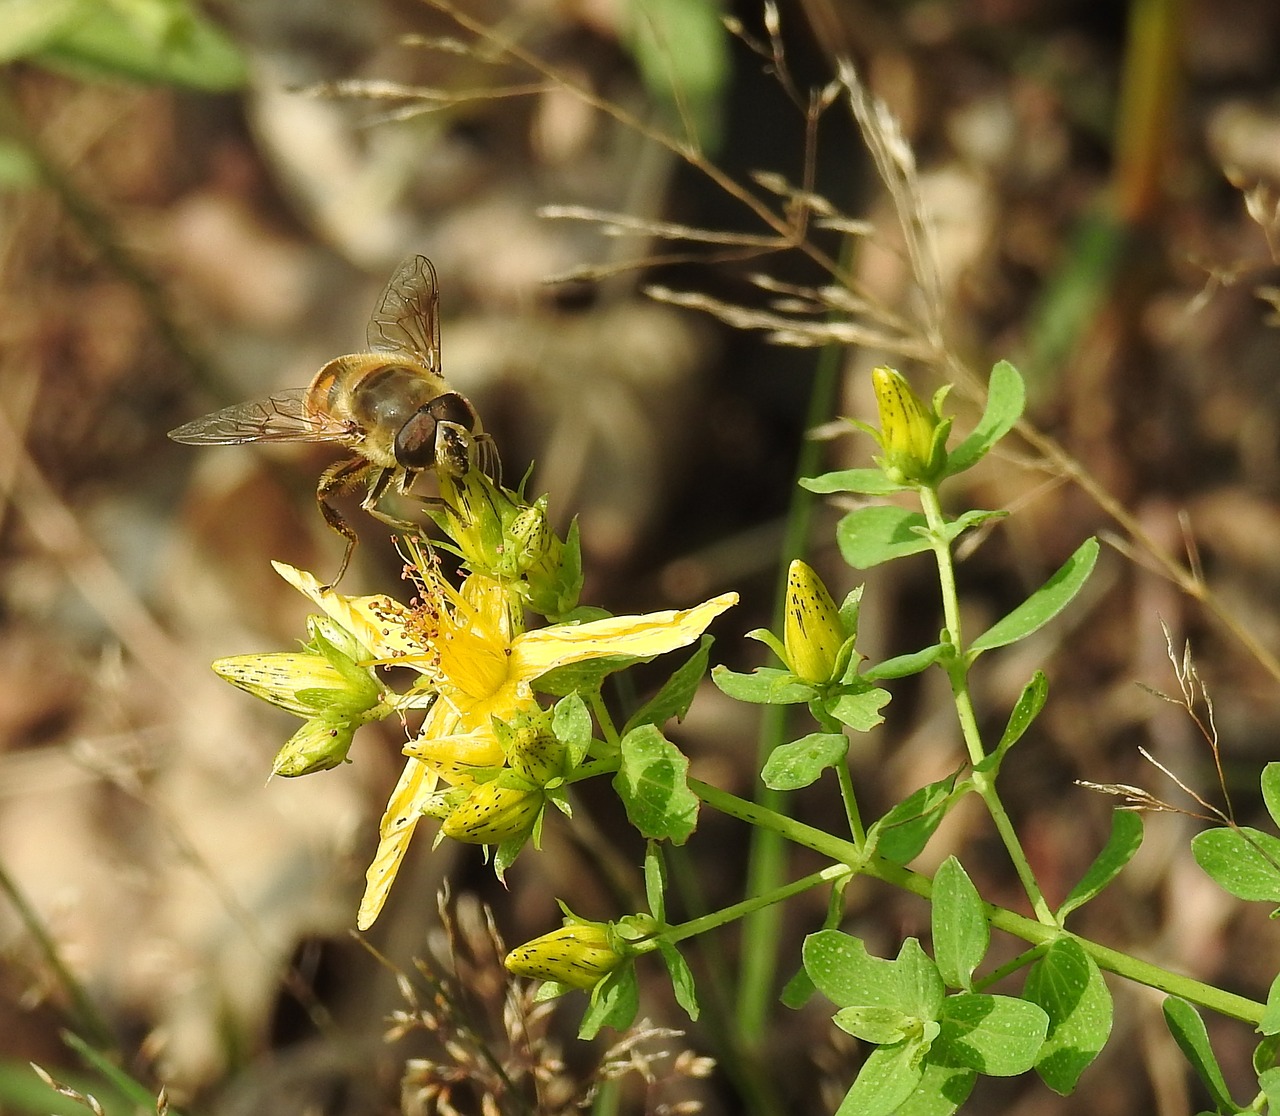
(340,477)
(403,478)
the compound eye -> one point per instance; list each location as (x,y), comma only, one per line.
(415,446)
(452,407)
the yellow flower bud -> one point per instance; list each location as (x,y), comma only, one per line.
(296,681)
(492,814)
(812,634)
(906,427)
(578,955)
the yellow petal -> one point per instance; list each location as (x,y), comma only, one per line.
(404,810)
(377,622)
(536,652)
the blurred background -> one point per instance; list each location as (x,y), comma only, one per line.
(201,205)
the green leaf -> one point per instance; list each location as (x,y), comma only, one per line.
(1189,1033)
(996,1035)
(1067,984)
(571,723)
(1271,790)
(1027,709)
(652,784)
(1044,604)
(677,693)
(681,979)
(655,881)
(802,762)
(887,1078)
(1006,398)
(860,711)
(941,1091)
(763,686)
(882,1026)
(27,26)
(145,40)
(902,665)
(961,933)
(867,482)
(614,1003)
(1269,1083)
(958,526)
(906,828)
(1243,862)
(869,536)
(1125,839)
(1270,1022)
(798,990)
(849,976)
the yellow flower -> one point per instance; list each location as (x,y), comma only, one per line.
(470,648)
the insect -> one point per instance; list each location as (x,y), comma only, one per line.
(389,406)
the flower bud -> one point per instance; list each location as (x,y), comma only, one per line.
(531,748)
(907,429)
(300,682)
(320,744)
(492,814)
(812,634)
(578,955)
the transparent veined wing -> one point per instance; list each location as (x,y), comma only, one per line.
(283,417)
(407,319)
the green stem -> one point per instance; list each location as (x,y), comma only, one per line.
(1029,930)
(957,667)
(847,794)
(747,906)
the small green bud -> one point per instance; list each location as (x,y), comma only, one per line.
(578,955)
(812,633)
(492,814)
(318,745)
(907,429)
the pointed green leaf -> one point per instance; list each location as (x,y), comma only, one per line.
(1244,862)
(942,1090)
(869,536)
(1125,839)
(902,665)
(962,523)
(763,686)
(1006,397)
(571,723)
(676,695)
(887,1078)
(905,830)
(1271,790)
(681,979)
(1044,604)
(1027,709)
(1067,984)
(652,783)
(961,933)
(802,762)
(996,1035)
(881,1026)
(614,1003)
(655,881)
(1270,1022)
(1189,1033)
(867,482)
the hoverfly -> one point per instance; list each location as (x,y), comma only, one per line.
(390,406)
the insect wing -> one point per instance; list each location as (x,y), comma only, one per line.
(284,417)
(408,316)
